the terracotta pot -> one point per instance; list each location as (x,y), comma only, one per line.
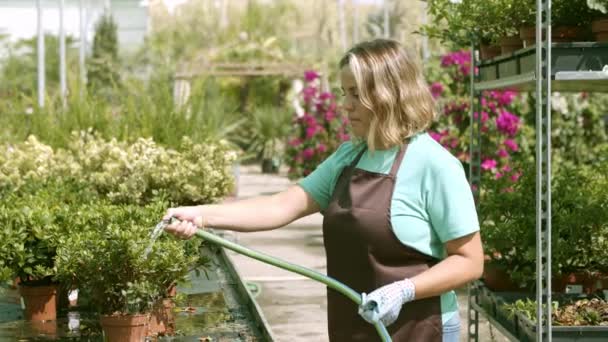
(588,281)
(497,279)
(600,29)
(162,321)
(47,329)
(125,328)
(563,34)
(560,34)
(510,44)
(40,302)
(489,51)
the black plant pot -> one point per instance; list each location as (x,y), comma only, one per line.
(269,166)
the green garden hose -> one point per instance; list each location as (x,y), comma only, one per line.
(332,283)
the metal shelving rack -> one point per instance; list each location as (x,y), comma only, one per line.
(586,74)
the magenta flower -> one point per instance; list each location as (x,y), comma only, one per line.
(436,136)
(436,89)
(515,176)
(507,123)
(321,148)
(326,96)
(511,144)
(454,143)
(309,93)
(343,136)
(506,168)
(308,153)
(489,164)
(502,153)
(484,116)
(310,75)
(329,116)
(498,175)
(309,120)
(311,131)
(506,97)
(295,142)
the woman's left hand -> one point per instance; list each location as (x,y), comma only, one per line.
(384,303)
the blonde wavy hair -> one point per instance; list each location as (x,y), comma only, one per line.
(391,85)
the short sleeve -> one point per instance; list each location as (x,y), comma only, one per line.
(450,203)
(321,182)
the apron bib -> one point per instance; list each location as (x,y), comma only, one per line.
(364,253)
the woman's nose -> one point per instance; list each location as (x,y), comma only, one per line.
(348,105)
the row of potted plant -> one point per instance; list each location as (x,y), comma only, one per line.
(574,316)
(81,218)
(123,172)
(504,26)
(579,228)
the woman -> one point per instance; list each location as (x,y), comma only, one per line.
(399,225)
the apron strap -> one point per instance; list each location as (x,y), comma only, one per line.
(398,160)
(356,160)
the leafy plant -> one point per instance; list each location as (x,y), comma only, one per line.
(18,67)
(526,307)
(581,312)
(102,70)
(104,257)
(579,221)
(121,172)
(461,22)
(270,127)
(34,222)
(598,5)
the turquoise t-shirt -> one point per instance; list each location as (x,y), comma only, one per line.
(432,201)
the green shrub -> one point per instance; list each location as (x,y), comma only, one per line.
(121,172)
(104,257)
(579,221)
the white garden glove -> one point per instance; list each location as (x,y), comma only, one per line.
(384,304)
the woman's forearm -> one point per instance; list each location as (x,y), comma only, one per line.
(259,213)
(451,273)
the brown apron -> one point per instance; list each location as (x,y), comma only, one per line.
(364,253)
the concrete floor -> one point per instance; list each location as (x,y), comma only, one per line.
(294,306)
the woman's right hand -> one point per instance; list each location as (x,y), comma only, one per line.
(188,220)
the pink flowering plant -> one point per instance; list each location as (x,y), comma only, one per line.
(318,130)
(501,126)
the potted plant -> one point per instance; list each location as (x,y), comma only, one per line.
(32,220)
(490,23)
(579,224)
(570,20)
(599,26)
(105,259)
(269,129)
(573,318)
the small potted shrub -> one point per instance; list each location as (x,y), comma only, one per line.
(579,225)
(105,260)
(269,130)
(34,221)
(570,20)
(488,22)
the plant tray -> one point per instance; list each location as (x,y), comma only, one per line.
(580,61)
(527,332)
(216,307)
